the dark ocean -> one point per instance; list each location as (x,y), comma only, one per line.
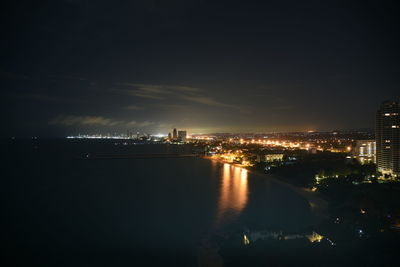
(59,209)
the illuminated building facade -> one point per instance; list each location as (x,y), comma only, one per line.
(365,151)
(174,134)
(387,135)
(273,157)
(269,157)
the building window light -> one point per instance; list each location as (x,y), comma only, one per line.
(387,114)
(395,126)
(387,141)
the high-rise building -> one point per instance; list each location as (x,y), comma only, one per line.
(365,151)
(174,134)
(387,135)
(169,136)
(182,135)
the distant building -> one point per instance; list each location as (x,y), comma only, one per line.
(273,157)
(169,136)
(182,135)
(365,151)
(387,136)
(174,134)
(270,157)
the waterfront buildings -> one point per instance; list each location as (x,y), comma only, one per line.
(365,151)
(387,135)
(271,157)
(174,134)
(182,136)
(178,136)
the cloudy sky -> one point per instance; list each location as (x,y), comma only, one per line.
(71,67)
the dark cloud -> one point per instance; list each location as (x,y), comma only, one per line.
(84,121)
(204,65)
(46,98)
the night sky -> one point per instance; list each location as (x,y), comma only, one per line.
(70,67)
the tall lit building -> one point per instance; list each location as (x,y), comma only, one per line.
(182,135)
(387,135)
(174,134)
(365,151)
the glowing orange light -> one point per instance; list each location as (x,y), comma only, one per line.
(234,191)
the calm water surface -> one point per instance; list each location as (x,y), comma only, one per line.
(59,210)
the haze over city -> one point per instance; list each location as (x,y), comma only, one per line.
(70,67)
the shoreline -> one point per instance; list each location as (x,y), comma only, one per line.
(318,205)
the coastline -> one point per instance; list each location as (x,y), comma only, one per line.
(208,250)
(318,205)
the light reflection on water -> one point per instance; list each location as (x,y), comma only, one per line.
(233,193)
(135,204)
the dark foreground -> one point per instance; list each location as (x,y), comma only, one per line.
(60,208)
